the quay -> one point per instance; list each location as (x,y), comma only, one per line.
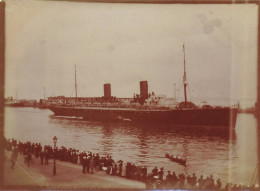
(69,176)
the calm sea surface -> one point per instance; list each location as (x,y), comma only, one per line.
(231,160)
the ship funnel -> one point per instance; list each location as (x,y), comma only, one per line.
(144,89)
(107,91)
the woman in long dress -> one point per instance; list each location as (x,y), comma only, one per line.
(124,169)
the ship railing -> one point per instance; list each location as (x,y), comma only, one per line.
(113,105)
(133,106)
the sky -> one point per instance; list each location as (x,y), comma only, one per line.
(123,44)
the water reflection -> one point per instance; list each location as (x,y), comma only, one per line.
(107,139)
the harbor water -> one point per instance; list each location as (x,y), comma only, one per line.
(232,159)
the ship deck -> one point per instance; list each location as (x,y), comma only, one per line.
(115,108)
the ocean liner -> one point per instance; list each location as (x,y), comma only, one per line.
(183,114)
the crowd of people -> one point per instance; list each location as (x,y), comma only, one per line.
(91,162)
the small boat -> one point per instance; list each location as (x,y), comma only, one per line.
(177,159)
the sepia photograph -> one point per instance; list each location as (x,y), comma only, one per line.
(146,95)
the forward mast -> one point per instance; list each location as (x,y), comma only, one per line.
(184,77)
(76,83)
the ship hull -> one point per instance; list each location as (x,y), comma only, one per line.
(217,117)
(14,105)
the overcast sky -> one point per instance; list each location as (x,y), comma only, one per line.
(123,44)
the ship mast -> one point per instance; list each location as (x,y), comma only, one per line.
(174,95)
(44,93)
(184,77)
(76,83)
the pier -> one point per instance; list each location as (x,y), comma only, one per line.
(69,176)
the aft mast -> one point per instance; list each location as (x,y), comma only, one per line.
(174,94)
(184,77)
(44,93)
(76,83)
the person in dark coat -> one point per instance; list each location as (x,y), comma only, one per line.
(14,157)
(174,179)
(168,180)
(218,186)
(182,180)
(84,164)
(46,156)
(87,163)
(42,157)
(91,164)
(120,166)
(193,180)
(144,173)
(201,181)
(160,174)
(155,171)
(28,158)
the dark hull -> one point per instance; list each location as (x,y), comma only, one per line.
(219,117)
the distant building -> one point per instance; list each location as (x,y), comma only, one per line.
(28,103)
(107,91)
(144,89)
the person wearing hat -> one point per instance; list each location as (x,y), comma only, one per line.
(211,182)
(91,164)
(42,156)
(201,181)
(124,169)
(160,174)
(155,171)
(120,165)
(193,180)
(46,156)
(144,172)
(189,180)
(168,180)
(182,180)
(218,186)
(174,179)
(84,164)
(87,163)
(14,156)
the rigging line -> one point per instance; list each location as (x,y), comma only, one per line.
(190,89)
(179,88)
(200,90)
(189,93)
(76,82)
(72,91)
(80,95)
